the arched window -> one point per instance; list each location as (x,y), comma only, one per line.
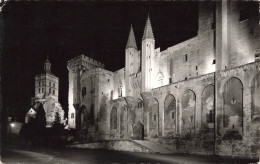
(139,103)
(113,119)
(160,78)
(83,92)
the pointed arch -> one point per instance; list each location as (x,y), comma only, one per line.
(233,105)
(113,118)
(208,108)
(138,131)
(188,103)
(170,115)
(83,117)
(159,78)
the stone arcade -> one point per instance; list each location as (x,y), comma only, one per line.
(200,96)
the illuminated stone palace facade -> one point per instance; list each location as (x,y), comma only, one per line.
(200,96)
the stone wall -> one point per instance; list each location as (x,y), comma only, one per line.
(235,131)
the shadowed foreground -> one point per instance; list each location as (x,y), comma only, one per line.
(68,156)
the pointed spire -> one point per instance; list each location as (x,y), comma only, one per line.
(148,32)
(131,39)
(47,65)
(47,59)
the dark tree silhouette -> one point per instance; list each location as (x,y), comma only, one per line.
(57,122)
(40,117)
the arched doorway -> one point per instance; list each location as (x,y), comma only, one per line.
(82,123)
(138,131)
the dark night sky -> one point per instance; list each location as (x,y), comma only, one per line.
(67,29)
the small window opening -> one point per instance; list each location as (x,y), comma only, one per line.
(53,92)
(186,57)
(170,80)
(191,118)
(196,67)
(154,117)
(233,126)
(72,115)
(186,78)
(50,84)
(108,80)
(172,115)
(214,61)
(39,90)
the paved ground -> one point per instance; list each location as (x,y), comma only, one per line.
(88,156)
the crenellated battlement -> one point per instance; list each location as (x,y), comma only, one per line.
(85,61)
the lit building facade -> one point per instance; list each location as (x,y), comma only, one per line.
(200,96)
(47,94)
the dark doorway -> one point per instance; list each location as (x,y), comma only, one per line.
(138,131)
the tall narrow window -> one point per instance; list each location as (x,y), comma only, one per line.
(186,57)
(154,117)
(49,90)
(39,83)
(53,92)
(83,92)
(50,84)
(39,90)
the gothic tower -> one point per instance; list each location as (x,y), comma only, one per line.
(47,83)
(148,46)
(130,60)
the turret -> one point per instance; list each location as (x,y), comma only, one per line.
(47,65)
(148,47)
(131,58)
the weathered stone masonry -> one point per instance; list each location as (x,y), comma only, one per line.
(200,96)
